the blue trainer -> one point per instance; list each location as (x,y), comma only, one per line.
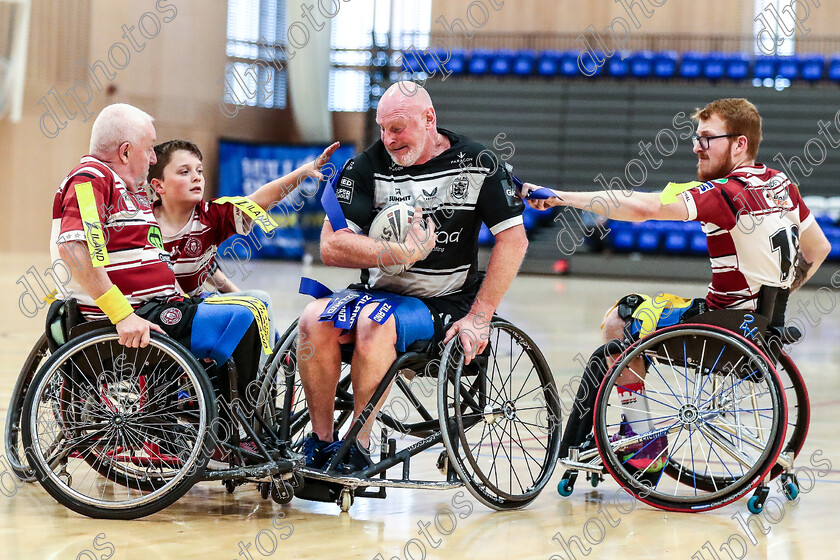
(314,450)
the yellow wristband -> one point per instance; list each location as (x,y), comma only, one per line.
(114,304)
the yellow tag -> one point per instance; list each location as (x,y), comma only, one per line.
(252,210)
(94,235)
(671,190)
(255,306)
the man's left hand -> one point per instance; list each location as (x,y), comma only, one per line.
(474,332)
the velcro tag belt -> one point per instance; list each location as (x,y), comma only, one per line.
(256,306)
(344,306)
(252,210)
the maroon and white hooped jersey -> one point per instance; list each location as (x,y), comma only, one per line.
(194,247)
(139,264)
(752,219)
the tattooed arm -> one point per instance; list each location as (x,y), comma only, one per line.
(814,247)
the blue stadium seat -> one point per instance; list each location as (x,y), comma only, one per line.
(647,241)
(833,236)
(692,65)
(834,68)
(502,63)
(523,63)
(457,62)
(618,68)
(737,66)
(568,64)
(676,242)
(765,67)
(698,243)
(549,64)
(788,67)
(588,63)
(480,61)
(812,67)
(410,62)
(622,235)
(714,66)
(641,64)
(665,64)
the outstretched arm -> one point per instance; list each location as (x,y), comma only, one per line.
(276,190)
(505,259)
(638,207)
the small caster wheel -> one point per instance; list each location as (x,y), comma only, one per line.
(595,480)
(443,462)
(297,481)
(281,491)
(229,486)
(791,490)
(754,505)
(567,484)
(265,489)
(345,500)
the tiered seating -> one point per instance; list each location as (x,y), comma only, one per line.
(662,65)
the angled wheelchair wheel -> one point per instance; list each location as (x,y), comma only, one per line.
(798,408)
(500,417)
(136,425)
(281,398)
(713,418)
(14,442)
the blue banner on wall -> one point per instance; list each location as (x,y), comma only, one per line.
(245,167)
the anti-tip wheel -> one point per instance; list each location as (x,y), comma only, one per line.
(345,500)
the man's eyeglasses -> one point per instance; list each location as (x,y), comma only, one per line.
(703,141)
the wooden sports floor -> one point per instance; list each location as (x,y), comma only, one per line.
(562,315)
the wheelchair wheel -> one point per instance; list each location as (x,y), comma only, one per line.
(281,398)
(716,414)
(14,443)
(798,407)
(136,425)
(500,417)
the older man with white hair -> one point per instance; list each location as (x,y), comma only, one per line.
(104,226)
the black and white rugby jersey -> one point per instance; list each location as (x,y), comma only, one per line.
(459,189)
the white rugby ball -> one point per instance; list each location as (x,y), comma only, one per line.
(392,224)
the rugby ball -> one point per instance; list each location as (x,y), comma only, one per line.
(392,224)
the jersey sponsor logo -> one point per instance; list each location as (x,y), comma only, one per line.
(778,199)
(154,237)
(192,248)
(459,187)
(164,257)
(344,194)
(721,181)
(346,182)
(444,238)
(462,160)
(394,166)
(95,237)
(705,187)
(170,316)
(428,195)
(394,198)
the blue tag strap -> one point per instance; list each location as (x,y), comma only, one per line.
(311,287)
(330,203)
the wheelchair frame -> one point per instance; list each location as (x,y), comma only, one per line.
(458,470)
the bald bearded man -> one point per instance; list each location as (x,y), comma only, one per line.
(455,184)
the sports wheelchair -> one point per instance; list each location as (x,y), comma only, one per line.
(721,389)
(120,433)
(498,420)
